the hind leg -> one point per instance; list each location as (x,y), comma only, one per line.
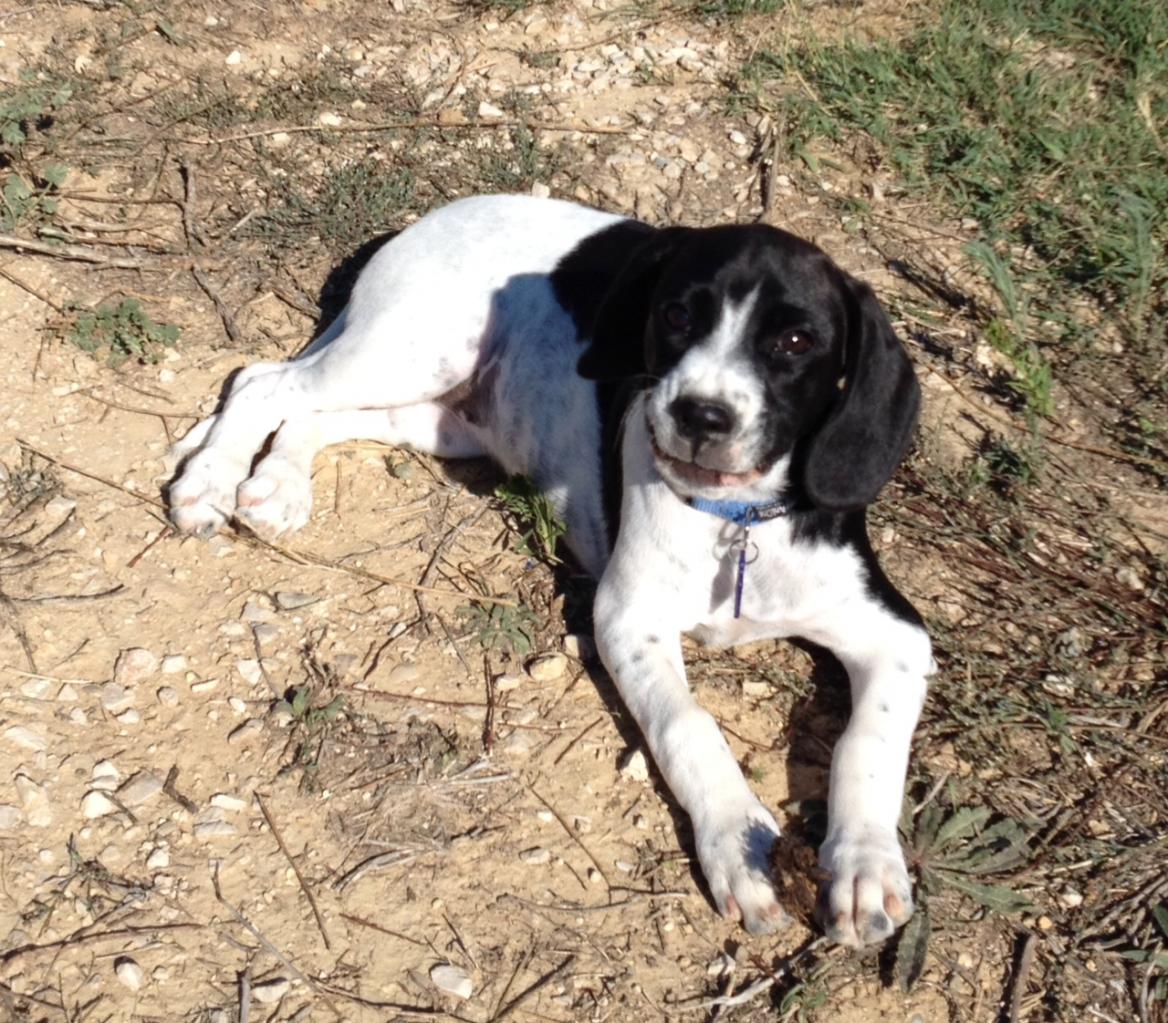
(276,499)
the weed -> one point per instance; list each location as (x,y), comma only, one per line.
(514,169)
(530,507)
(126,330)
(310,726)
(302,712)
(355,202)
(29,108)
(31,480)
(1006,470)
(502,628)
(21,200)
(1038,119)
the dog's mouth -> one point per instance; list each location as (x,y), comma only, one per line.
(699,475)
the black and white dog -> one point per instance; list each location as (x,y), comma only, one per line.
(710,411)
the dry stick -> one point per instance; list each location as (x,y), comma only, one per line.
(420,123)
(1025,961)
(384,930)
(571,834)
(526,993)
(255,643)
(76,253)
(579,735)
(299,557)
(64,598)
(245,995)
(76,939)
(296,870)
(385,859)
(30,289)
(728,1001)
(213,294)
(170,787)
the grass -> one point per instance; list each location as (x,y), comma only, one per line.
(1041,119)
(542,527)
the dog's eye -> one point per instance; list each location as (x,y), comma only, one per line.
(794,342)
(676,316)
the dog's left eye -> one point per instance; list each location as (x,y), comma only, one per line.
(794,342)
(676,316)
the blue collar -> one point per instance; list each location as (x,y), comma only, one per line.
(740,513)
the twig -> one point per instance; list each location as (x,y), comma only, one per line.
(571,834)
(1025,961)
(579,735)
(527,992)
(384,930)
(255,643)
(77,253)
(245,995)
(385,859)
(190,225)
(296,870)
(729,1001)
(65,598)
(213,294)
(171,789)
(31,290)
(77,937)
(489,717)
(163,534)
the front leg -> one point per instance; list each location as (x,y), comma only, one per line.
(733,831)
(868,894)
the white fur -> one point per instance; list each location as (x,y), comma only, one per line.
(466,290)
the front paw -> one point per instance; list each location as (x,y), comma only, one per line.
(734,849)
(868,894)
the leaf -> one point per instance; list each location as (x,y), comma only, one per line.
(1160,915)
(912,947)
(55,174)
(965,822)
(995,897)
(300,701)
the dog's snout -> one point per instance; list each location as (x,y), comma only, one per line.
(700,418)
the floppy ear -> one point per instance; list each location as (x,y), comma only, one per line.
(616,346)
(868,431)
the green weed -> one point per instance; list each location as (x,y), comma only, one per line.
(1037,117)
(514,169)
(124,331)
(21,201)
(29,108)
(535,514)
(498,627)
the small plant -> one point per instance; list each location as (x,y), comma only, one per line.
(499,627)
(304,713)
(21,200)
(530,507)
(28,108)
(125,330)
(310,725)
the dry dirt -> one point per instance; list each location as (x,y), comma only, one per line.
(459,804)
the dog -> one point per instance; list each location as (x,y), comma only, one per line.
(709,410)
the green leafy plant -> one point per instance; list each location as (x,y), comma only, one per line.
(21,200)
(499,627)
(124,331)
(29,106)
(531,508)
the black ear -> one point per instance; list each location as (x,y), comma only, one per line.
(868,431)
(616,345)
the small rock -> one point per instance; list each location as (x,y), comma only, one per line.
(293,600)
(752,687)
(535,856)
(141,788)
(281,715)
(25,738)
(237,705)
(547,667)
(159,859)
(78,717)
(402,673)
(1045,923)
(256,613)
(174,664)
(249,670)
(129,717)
(488,111)
(97,804)
(105,769)
(268,992)
(204,685)
(624,866)
(212,829)
(330,120)
(737,137)
(506,683)
(721,965)
(540,190)
(579,647)
(234,58)
(34,800)
(594,876)
(129,972)
(634,766)
(168,696)
(9,816)
(36,688)
(1070,898)
(226,801)
(248,730)
(452,980)
(134,665)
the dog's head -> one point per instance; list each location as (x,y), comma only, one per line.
(765,366)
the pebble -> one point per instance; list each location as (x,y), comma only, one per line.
(293,600)
(535,856)
(752,687)
(634,766)
(594,876)
(105,769)
(578,647)
(128,717)
(159,859)
(506,683)
(97,804)
(141,788)
(234,58)
(248,730)
(737,137)
(1070,898)
(249,671)
(452,980)
(402,673)
(35,688)
(129,972)
(134,665)
(174,664)
(26,738)
(540,190)
(490,111)
(34,800)
(547,667)
(168,696)
(237,705)
(204,685)
(226,801)
(256,613)
(10,816)
(268,992)
(207,830)
(78,717)
(330,120)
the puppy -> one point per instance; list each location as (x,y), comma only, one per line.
(709,410)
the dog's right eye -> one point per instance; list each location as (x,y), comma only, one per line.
(676,316)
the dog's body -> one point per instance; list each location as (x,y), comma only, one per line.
(739,400)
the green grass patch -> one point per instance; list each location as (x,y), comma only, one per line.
(123,331)
(541,527)
(1046,120)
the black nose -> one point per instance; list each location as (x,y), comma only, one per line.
(701,419)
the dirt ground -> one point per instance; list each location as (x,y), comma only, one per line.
(289,782)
